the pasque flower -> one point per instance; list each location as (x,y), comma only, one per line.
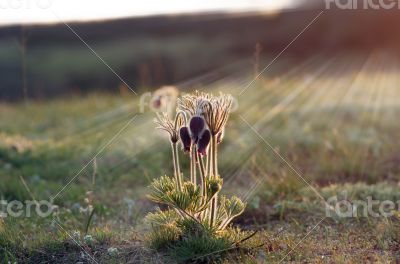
(173,127)
(165,123)
(203,143)
(216,112)
(185,138)
(192,103)
(200,126)
(197,126)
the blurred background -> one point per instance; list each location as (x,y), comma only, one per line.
(160,43)
(318,100)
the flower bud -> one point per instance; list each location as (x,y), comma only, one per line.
(214,185)
(185,138)
(204,141)
(197,126)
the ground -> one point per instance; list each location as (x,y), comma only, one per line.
(322,129)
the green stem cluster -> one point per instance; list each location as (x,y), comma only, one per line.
(195,197)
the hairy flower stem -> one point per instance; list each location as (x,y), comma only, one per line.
(203,176)
(208,161)
(193,165)
(177,170)
(202,170)
(214,165)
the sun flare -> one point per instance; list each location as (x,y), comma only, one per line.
(51,11)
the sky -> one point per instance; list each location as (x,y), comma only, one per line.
(55,11)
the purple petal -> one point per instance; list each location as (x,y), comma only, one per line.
(203,143)
(197,126)
(185,138)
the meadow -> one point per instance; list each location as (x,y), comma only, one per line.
(300,135)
